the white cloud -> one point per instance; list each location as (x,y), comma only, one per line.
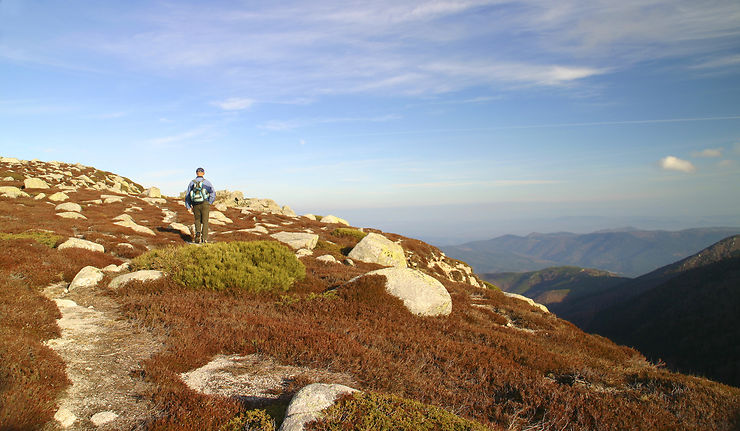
(234,104)
(725,164)
(166,140)
(709,152)
(671,163)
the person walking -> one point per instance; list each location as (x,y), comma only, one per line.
(199,197)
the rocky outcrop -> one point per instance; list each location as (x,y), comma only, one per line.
(13,192)
(126,220)
(527,300)
(308,403)
(35,183)
(143,275)
(81,243)
(297,240)
(422,294)
(69,206)
(332,219)
(376,248)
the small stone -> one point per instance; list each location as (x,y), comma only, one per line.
(72,215)
(331,219)
(65,417)
(88,276)
(101,418)
(143,275)
(297,240)
(327,258)
(58,197)
(81,243)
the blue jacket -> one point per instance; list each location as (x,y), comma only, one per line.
(206,185)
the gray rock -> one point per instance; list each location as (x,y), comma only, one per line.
(143,275)
(117,268)
(257,229)
(308,403)
(327,258)
(422,294)
(376,248)
(40,196)
(288,211)
(153,192)
(218,216)
(81,243)
(180,228)
(35,183)
(297,240)
(310,216)
(65,417)
(88,276)
(69,206)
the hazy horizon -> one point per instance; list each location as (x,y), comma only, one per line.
(441,120)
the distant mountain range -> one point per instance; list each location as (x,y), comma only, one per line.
(685,313)
(626,252)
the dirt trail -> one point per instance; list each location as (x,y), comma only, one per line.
(102,354)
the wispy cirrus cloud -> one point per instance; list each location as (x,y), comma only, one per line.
(280,125)
(709,153)
(234,104)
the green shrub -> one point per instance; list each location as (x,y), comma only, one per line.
(349,232)
(255,266)
(252,420)
(379,412)
(491,285)
(46,238)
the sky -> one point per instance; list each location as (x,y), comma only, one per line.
(447,121)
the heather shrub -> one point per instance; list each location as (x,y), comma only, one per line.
(349,232)
(255,266)
(379,412)
(46,238)
(16,176)
(252,420)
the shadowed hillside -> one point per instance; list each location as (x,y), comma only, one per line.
(111,319)
(628,253)
(685,314)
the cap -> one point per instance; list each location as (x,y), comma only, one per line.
(200,170)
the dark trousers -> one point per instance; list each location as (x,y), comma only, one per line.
(200,211)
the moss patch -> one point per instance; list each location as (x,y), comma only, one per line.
(349,232)
(379,412)
(255,266)
(46,238)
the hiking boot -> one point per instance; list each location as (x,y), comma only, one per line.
(197,240)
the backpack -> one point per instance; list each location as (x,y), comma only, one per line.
(198,194)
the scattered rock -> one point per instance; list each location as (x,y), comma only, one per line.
(81,243)
(88,277)
(327,258)
(422,294)
(125,220)
(72,215)
(376,248)
(297,240)
(102,418)
(288,211)
(117,268)
(310,216)
(348,262)
(530,301)
(58,197)
(65,417)
(143,275)
(303,252)
(331,219)
(13,192)
(185,230)
(154,201)
(257,229)
(35,183)
(308,403)
(218,215)
(69,206)
(40,196)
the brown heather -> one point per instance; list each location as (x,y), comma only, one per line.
(494,360)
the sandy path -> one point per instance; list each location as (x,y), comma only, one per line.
(102,354)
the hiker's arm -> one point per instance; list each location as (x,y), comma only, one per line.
(187,195)
(211,192)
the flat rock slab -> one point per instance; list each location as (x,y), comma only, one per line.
(143,275)
(297,240)
(88,276)
(82,243)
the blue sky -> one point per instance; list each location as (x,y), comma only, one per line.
(445,120)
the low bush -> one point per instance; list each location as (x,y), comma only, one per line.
(380,412)
(349,232)
(255,266)
(252,420)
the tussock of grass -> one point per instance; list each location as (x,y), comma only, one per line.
(16,176)
(254,266)
(349,232)
(380,412)
(257,420)
(46,238)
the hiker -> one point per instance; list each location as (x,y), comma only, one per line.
(199,197)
